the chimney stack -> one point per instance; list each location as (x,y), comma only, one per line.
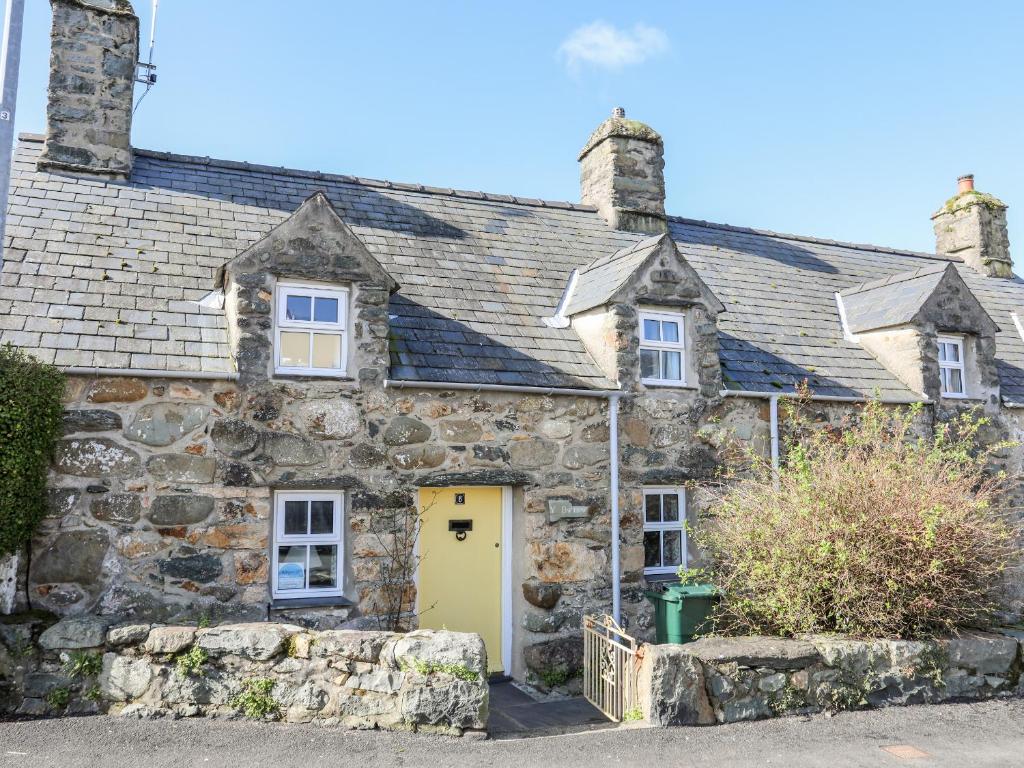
(622,174)
(972,226)
(94,50)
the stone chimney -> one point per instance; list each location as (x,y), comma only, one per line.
(94,49)
(972,226)
(622,174)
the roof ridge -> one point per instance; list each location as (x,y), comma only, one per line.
(242,165)
(811,239)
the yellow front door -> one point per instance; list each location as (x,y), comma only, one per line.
(460,564)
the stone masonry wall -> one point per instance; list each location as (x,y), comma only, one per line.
(423,681)
(724,680)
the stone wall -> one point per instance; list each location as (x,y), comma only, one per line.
(724,680)
(421,681)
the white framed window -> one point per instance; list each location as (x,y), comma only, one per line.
(951,366)
(310,330)
(307,553)
(662,348)
(664,530)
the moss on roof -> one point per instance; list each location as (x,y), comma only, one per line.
(965,200)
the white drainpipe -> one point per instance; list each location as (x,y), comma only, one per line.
(613,469)
(773,420)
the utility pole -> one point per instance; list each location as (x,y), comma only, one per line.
(10,59)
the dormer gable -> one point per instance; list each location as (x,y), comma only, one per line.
(928,329)
(309,300)
(608,302)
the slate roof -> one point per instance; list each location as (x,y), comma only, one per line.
(893,300)
(598,281)
(109,275)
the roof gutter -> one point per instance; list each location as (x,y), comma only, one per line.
(150,373)
(822,398)
(463,386)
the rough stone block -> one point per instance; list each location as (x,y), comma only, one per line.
(256,641)
(74,633)
(169,639)
(671,687)
(772,652)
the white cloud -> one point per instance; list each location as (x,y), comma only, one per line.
(601,45)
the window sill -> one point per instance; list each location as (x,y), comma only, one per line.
(660,578)
(310,602)
(667,384)
(341,378)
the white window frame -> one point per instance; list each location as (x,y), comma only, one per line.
(661,527)
(944,365)
(664,346)
(279,539)
(282,323)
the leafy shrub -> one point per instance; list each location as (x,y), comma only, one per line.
(871,529)
(30,419)
(254,701)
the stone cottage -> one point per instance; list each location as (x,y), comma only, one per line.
(265,363)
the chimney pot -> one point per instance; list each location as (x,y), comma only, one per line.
(965,183)
(619,112)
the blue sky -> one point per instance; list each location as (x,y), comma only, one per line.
(841,120)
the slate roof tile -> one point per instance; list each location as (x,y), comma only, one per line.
(479,273)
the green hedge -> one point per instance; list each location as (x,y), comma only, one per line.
(30,419)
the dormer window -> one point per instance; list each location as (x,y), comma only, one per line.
(310,333)
(951,366)
(662,348)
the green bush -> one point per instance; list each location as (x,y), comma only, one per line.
(191,662)
(876,528)
(255,700)
(30,419)
(83,664)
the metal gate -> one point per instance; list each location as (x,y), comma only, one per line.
(610,665)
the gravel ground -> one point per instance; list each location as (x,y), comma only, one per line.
(982,734)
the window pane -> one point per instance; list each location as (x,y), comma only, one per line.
(669,331)
(321,517)
(652,549)
(326,350)
(673,551)
(291,567)
(948,352)
(323,566)
(295,518)
(294,349)
(652,508)
(652,330)
(671,507)
(325,310)
(670,364)
(956,382)
(298,307)
(649,364)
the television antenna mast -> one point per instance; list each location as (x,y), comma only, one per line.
(146,72)
(10,60)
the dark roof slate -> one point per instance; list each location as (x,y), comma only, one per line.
(110,275)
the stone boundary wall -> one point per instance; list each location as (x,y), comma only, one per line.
(724,680)
(425,681)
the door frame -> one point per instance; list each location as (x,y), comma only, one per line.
(505,588)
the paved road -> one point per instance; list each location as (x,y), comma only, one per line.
(983,734)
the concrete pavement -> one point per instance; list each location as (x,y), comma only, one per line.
(976,735)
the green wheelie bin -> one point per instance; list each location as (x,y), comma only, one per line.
(682,611)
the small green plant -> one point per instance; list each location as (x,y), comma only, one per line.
(556,676)
(788,699)
(58,698)
(632,715)
(254,700)
(934,660)
(204,621)
(430,667)
(83,664)
(693,575)
(191,662)
(93,694)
